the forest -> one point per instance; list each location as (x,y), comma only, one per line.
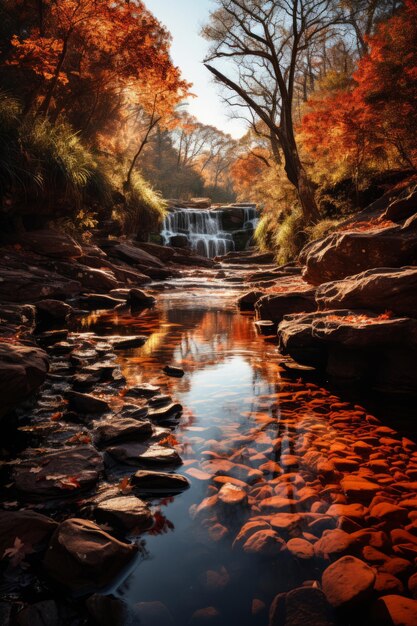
(208,312)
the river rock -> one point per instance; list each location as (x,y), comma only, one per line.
(133,253)
(153,614)
(359,488)
(51,311)
(32,284)
(121,429)
(127,512)
(145,390)
(346,253)
(164,412)
(299,607)
(275,306)
(86,403)
(146,481)
(348,582)
(125,343)
(403,207)
(176,372)
(22,370)
(381,289)
(44,613)
(58,474)
(394,610)
(91,279)
(33,529)
(138,298)
(98,301)
(248,300)
(82,557)
(50,243)
(208,615)
(140,454)
(265,543)
(300,548)
(107,610)
(333,543)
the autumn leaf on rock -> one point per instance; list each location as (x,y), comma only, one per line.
(124,486)
(17,552)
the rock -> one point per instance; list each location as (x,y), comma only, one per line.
(97,301)
(394,610)
(165,412)
(82,557)
(348,582)
(138,298)
(389,513)
(58,474)
(50,311)
(92,279)
(121,429)
(265,543)
(402,208)
(143,391)
(33,529)
(359,488)
(85,403)
(124,343)
(140,454)
(346,253)
(232,496)
(43,613)
(146,481)
(22,371)
(107,610)
(299,607)
(300,548)
(163,253)
(387,584)
(208,615)
(378,289)
(275,306)
(286,523)
(248,300)
(33,284)
(50,243)
(132,253)
(354,512)
(333,544)
(176,372)
(153,614)
(235,470)
(127,512)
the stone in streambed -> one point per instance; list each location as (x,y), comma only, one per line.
(128,512)
(97,301)
(333,543)
(145,390)
(300,548)
(146,481)
(125,343)
(232,496)
(208,615)
(265,543)
(140,454)
(394,610)
(171,370)
(82,557)
(138,298)
(348,582)
(300,607)
(165,412)
(58,474)
(41,613)
(52,311)
(248,300)
(121,429)
(33,529)
(86,403)
(153,614)
(359,488)
(50,243)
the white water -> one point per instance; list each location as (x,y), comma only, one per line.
(203,229)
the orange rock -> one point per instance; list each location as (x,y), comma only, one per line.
(300,548)
(230,495)
(396,566)
(217,532)
(359,488)
(353,511)
(249,529)
(387,583)
(285,523)
(277,503)
(264,543)
(229,479)
(412,585)
(333,544)
(394,610)
(348,582)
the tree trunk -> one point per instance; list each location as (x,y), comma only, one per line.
(44,107)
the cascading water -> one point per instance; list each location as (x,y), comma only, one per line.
(204,230)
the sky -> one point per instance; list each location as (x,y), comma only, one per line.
(184,19)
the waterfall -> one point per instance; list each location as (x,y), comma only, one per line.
(203,229)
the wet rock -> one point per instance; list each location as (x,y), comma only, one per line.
(58,474)
(208,615)
(124,343)
(82,557)
(165,412)
(33,529)
(346,253)
(140,454)
(50,243)
(138,298)
(22,370)
(387,584)
(146,481)
(286,524)
(127,512)
(109,610)
(354,512)
(265,543)
(333,544)
(153,614)
(51,311)
(51,337)
(389,513)
(394,610)
(378,289)
(348,582)
(96,301)
(300,548)
(412,585)
(232,496)
(99,281)
(301,606)
(235,470)
(121,429)
(248,300)
(43,613)
(131,253)
(275,306)
(402,208)
(31,285)
(176,372)
(359,488)
(85,403)
(143,391)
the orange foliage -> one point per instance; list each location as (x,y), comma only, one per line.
(246,170)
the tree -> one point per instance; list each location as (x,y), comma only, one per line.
(265,43)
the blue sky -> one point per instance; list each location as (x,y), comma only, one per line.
(184,19)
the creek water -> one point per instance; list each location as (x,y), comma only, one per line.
(231,397)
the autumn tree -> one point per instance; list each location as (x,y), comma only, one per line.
(263,43)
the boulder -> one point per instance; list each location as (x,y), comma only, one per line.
(22,371)
(301,606)
(58,474)
(346,253)
(248,300)
(403,207)
(265,543)
(83,558)
(52,311)
(381,289)
(148,482)
(140,454)
(394,610)
(44,613)
(121,429)
(163,253)
(127,512)
(348,582)
(138,298)
(97,301)
(99,280)
(134,254)
(275,306)
(86,403)
(32,529)
(50,243)
(31,285)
